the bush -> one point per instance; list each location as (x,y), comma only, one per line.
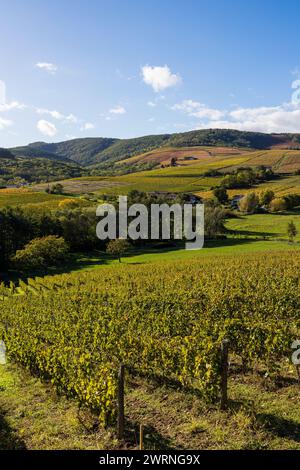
(55,189)
(41,252)
(291,231)
(278,205)
(249,203)
(266,197)
(117,247)
(214,221)
(292,200)
(68,204)
(221,195)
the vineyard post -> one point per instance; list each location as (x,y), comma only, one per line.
(224,373)
(121,416)
(141,437)
(298,371)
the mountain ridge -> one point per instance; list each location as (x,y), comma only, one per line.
(103,151)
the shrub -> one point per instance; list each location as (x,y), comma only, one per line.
(68,204)
(117,247)
(266,197)
(249,203)
(278,205)
(41,252)
(291,231)
(221,195)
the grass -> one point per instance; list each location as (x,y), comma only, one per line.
(99,259)
(265,225)
(28,198)
(260,416)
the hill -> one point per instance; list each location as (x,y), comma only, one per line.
(102,152)
(19,171)
(4,153)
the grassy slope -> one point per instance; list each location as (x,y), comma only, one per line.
(99,260)
(23,198)
(188,176)
(265,225)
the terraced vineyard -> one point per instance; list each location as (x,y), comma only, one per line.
(164,319)
(189,174)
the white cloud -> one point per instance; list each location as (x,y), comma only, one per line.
(46,128)
(296,94)
(54,114)
(159,78)
(12,105)
(4,123)
(87,126)
(57,115)
(198,110)
(2,92)
(151,104)
(4,106)
(71,118)
(284,117)
(118,110)
(47,66)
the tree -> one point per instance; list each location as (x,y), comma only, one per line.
(214,218)
(291,231)
(249,203)
(221,194)
(278,205)
(266,197)
(55,189)
(41,252)
(118,247)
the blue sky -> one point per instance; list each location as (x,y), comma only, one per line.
(125,68)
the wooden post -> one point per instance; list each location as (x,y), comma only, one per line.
(121,416)
(224,373)
(298,371)
(141,437)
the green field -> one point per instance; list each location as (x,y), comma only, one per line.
(34,199)
(24,198)
(265,225)
(93,261)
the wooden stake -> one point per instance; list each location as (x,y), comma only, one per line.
(224,373)
(141,437)
(121,415)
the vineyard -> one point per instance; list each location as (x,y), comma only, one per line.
(163,319)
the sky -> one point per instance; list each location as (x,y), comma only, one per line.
(126,68)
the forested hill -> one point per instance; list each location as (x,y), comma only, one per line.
(89,151)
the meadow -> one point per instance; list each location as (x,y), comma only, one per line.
(25,197)
(270,226)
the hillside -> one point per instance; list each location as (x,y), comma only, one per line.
(102,152)
(81,151)
(4,153)
(16,171)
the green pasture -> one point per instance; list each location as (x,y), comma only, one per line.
(265,225)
